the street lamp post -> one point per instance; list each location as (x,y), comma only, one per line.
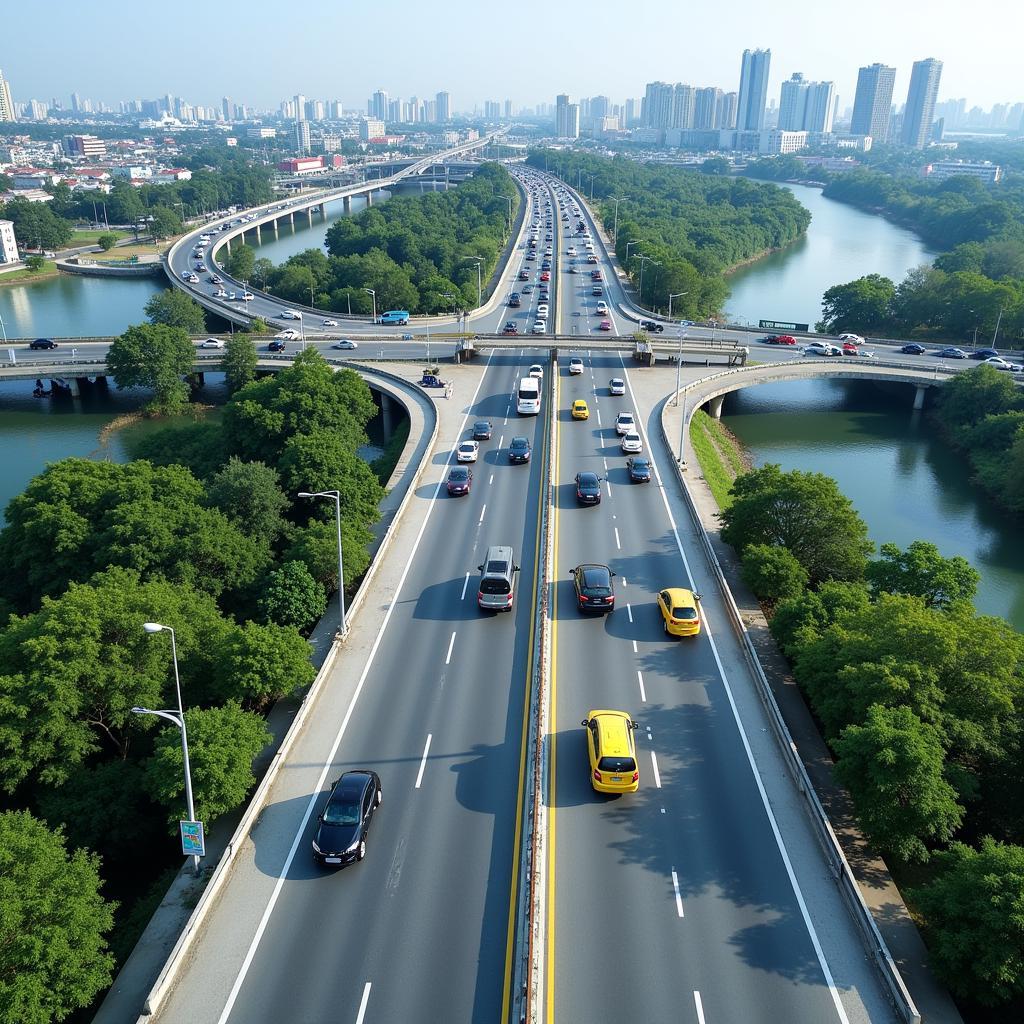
(508,199)
(592,177)
(373,295)
(615,227)
(178,718)
(682,429)
(335,496)
(644,260)
(679,355)
(636,241)
(479,284)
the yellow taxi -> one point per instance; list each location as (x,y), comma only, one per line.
(580,410)
(680,611)
(613,767)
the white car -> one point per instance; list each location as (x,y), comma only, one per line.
(467,451)
(536,370)
(289,314)
(288,334)
(345,343)
(247,296)
(539,327)
(602,308)
(572,250)
(542,311)
(220,294)
(616,386)
(631,443)
(1000,364)
(211,343)
(328,323)
(854,339)
(822,348)
(575,365)
(624,423)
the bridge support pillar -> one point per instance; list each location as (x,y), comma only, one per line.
(386,415)
(291,217)
(309,215)
(227,245)
(276,235)
(369,199)
(75,386)
(347,204)
(919,396)
(714,407)
(259,235)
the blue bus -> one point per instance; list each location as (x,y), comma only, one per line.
(395,316)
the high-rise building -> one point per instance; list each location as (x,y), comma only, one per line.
(707,108)
(492,110)
(371,128)
(300,107)
(920,109)
(872,104)
(508,110)
(302,144)
(806,106)
(567,118)
(656,111)
(6,103)
(444,106)
(684,101)
(730,104)
(37,111)
(76,102)
(753,89)
(379,105)
(227,109)
(631,110)
(84,146)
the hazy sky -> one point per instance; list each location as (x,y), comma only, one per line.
(259,52)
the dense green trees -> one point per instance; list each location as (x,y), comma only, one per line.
(53,924)
(36,226)
(923,572)
(173,308)
(804,512)
(412,251)
(157,357)
(239,362)
(696,226)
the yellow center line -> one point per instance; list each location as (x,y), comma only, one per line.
(514,888)
(549,914)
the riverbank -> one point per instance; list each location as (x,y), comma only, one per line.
(25,276)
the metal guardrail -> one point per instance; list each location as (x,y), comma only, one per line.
(871,937)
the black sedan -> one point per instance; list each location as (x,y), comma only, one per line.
(639,467)
(345,821)
(43,343)
(951,352)
(652,326)
(481,430)
(277,345)
(913,349)
(594,589)
(588,489)
(984,353)
(519,450)
(460,480)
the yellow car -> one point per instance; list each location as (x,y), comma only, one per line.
(580,410)
(680,611)
(613,767)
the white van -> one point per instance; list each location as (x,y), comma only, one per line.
(528,402)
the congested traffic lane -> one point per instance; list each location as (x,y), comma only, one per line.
(679,901)
(420,928)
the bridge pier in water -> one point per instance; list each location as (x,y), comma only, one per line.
(919,397)
(259,236)
(347,204)
(714,407)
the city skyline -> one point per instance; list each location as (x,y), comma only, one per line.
(973,65)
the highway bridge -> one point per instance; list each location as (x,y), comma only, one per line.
(498,886)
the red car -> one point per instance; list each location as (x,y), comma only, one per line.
(460,480)
(849,349)
(606,325)
(780,339)
(545,276)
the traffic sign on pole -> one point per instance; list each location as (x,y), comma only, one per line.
(193,842)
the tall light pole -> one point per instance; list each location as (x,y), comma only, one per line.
(682,429)
(643,261)
(508,199)
(479,285)
(636,241)
(995,333)
(373,294)
(679,355)
(335,496)
(615,228)
(592,177)
(178,718)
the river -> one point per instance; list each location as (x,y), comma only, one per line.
(841,245)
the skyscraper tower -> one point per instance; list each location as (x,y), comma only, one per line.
(793,103)
(6,103)
(872,103)
(753,89)
(567,118)
(444,106)
(920,109)
(380,105)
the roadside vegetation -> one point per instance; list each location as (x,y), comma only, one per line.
(919,698)
(413,251)
(695,226)
(202,532)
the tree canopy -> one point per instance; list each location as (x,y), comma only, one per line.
(154,356)
(174,308)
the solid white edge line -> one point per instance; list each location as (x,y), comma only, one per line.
(451,644)
(362,1003)
(423,761)
(640,680)
(654,768)
(699,1007)
(465,586)
(679,896)
(275,895)
(798,893)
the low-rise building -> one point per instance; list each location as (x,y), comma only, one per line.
(30,195)
(301,165)
(983,170)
